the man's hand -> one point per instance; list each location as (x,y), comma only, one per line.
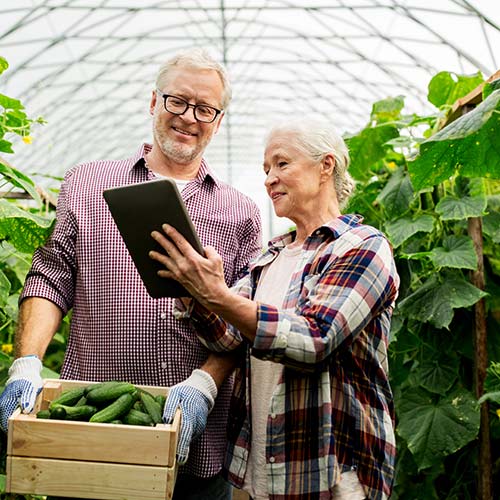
(22,388)
(195,397)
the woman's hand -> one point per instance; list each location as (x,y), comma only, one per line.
(201,276)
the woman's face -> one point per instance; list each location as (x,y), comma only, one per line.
(293,179)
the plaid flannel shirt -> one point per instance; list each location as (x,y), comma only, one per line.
(333,408)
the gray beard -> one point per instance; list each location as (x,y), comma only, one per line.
(179,153)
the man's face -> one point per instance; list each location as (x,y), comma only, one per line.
(182,138)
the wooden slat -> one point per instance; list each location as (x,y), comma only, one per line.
(101,481)
(32,437)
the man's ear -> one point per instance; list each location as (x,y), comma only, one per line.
(219,120)
(152,104)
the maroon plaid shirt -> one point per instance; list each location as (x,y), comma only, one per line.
(118,332)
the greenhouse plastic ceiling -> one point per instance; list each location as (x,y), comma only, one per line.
(88,67)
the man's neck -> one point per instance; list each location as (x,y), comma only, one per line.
(161,165)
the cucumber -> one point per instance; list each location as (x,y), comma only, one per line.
(58,413)
(115,410)
(81,402)
(43,414)
(152,407)
(134,417)
(107,391)
(139,406)
(161,399)
(68,398)
(83,412)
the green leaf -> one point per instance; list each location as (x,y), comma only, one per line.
(468,146)
(3,481)
(457,252)
(402,141)
(405,227)
(4,289)
(437,374)
(452,208)
(367,147)
(363,200)
(20,180)
(387,110)
(397,194)
(445,88)
(491,226)
(434,429)
(3,64)
(490,396)
(435,300)
(11,308)
(6,146)
(490,87)
(492,380)
(10,103)
(48,373)
(24,230)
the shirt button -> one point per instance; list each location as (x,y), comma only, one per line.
(163,315)
(272,460)
(281,342)
(164,365)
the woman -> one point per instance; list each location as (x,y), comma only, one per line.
(312,411)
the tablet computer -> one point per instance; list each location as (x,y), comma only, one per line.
(139,209)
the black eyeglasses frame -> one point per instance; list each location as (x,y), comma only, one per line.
(194,106)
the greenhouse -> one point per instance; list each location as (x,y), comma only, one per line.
(400,316)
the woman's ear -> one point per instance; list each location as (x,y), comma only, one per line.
(328,166)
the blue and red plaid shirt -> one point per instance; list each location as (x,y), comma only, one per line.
(118,332)
(332,409)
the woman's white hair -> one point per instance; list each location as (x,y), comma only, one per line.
(197,58)
(316,139)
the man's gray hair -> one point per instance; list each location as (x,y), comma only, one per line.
(316,139)
(197,58)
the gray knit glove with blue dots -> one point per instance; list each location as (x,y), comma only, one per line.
(21,389)
(195,396)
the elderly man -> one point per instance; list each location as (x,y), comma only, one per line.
(118,332)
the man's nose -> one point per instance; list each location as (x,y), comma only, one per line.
(188,115)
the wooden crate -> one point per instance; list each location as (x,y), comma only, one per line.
(90,460)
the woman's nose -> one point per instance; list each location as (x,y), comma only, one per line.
(270,179)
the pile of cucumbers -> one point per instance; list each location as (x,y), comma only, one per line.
(107,402)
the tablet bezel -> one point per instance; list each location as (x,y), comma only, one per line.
(140,208)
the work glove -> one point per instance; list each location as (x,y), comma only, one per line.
(196,398)
(22,388)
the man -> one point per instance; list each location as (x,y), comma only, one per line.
(117,331)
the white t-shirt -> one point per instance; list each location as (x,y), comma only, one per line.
(181,183)
(265,375)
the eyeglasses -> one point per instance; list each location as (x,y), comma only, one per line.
(178,106)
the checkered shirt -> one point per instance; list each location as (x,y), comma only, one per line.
(118,332)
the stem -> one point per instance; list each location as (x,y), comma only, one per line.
(485,485)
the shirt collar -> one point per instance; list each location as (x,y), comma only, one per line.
(204,173)
(336,227)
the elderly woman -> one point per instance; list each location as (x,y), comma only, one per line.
(312,410)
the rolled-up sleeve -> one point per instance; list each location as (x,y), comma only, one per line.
(53,269)
(335,304)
